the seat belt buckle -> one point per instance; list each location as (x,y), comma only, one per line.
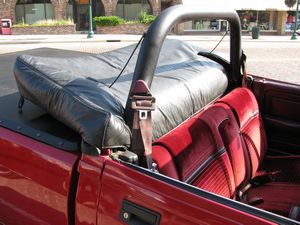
(143,104)
(242,191)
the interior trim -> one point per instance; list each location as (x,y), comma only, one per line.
(40,136)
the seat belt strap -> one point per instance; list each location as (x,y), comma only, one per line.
(244,70)
(247,80)
(142,103)
(242,195)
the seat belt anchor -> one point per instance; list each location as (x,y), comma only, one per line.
(154,167)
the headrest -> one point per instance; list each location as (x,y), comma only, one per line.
(243,103)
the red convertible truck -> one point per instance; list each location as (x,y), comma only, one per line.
(182,136)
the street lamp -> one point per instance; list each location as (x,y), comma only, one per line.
(91,32)
(294,35)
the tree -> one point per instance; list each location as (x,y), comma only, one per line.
(290,3)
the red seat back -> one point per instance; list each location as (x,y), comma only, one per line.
(222,122)
(245,107)
(194,153)
(216,148)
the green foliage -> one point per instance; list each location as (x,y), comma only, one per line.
(108,21)
(21,25)
(145,18)
(115,20)
(46,23)
(290,3)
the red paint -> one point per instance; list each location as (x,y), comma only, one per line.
(34,181)
(87,198)
(175,205)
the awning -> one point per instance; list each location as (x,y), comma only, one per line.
(276,5)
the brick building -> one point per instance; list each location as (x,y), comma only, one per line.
(272,16)
(30,11)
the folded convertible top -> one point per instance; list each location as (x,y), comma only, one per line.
(75,90)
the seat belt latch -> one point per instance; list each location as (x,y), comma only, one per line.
(140,102)
(242,191)
(143,104)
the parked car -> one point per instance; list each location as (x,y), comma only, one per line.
(178,136)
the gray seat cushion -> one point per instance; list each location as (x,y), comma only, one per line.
(75,90)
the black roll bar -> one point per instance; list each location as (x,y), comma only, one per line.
(151,46)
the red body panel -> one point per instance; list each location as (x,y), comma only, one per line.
(87,199)
(175,205)
(34,181)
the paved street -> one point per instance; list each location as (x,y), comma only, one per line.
(276,60)
(272,57)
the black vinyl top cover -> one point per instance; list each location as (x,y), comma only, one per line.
(75,90)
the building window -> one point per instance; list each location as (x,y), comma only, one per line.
(130,9)
(69,12)
(31,11)
(210,25)
(290,21)
(264,19)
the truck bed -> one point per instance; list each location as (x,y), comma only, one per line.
(51,78)
(33,121)
(77,90)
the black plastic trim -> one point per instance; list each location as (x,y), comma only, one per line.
(211,196)
(223,62)
(40,136)
(151,46)
(72,193)
(132,214)
(156,34)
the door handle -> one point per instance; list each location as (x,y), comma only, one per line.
(134,214)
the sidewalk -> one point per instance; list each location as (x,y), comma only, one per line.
(82,38)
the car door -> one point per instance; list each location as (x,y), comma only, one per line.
(133,195)
(35,180)
(280,107)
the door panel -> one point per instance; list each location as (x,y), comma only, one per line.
(173,204)
(34,181)
(88,191)
(280,107)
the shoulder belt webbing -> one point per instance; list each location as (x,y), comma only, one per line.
(142,103)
